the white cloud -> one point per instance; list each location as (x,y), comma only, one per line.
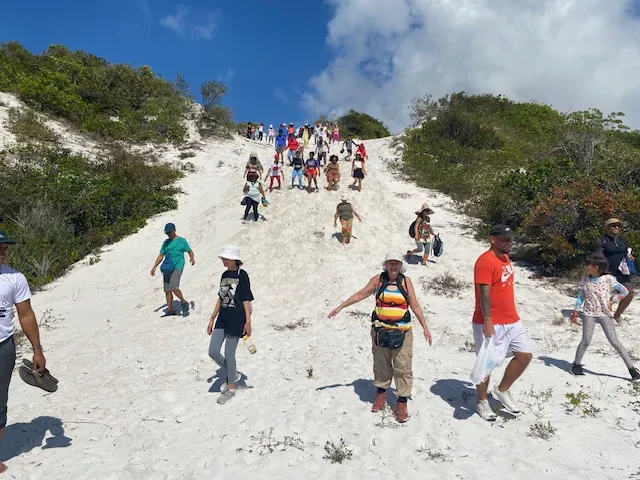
(181,23)
(572,54)
(227,76)
(280,95)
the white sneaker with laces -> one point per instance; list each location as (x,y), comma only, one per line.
(484,410)
(506,400)
(225,385)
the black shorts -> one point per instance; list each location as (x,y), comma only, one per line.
(7,362)
(358,173)
(233,325)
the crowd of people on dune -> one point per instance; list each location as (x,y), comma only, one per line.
(605,292)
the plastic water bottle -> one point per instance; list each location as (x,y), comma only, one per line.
(250,346)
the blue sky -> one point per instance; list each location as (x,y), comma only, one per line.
(265,55)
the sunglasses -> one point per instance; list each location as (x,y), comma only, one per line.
(615,225)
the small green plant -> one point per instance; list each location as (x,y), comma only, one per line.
(580,402)
(433,455)
(28,126)
(538,400)
(265,443)
(337,453)
(387,419)
(184,155)
(310,372)
(446,284)
(300,323)
(544,431)
(468,346)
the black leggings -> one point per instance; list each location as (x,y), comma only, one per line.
(251,203)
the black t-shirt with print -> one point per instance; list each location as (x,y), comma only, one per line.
(235,288)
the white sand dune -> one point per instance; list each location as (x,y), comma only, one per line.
(137,397)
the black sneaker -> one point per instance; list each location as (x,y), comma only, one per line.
(576,369)
(635,374)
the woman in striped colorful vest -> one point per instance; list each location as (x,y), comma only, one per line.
(391,331)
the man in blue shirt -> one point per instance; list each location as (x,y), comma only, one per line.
(281,144)
(172,258)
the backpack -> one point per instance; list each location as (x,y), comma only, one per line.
(412,229)
(167,263)
(384,282)
(437,246)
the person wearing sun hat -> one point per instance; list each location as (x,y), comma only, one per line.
(171,259)
(422,232)
(15,292)
(614,247)
(345,212)
(391,331)
(233,314)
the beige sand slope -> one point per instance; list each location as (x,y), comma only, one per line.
(137,392)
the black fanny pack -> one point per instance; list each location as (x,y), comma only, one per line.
(387,338)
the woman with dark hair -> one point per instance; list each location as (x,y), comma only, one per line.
(596,299)
(332,171)
(253,194)
(233,313)
(615,249)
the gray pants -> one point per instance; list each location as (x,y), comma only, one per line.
(228,362)
(7,362)
(609,327)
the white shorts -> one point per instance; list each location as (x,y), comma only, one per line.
(510,338)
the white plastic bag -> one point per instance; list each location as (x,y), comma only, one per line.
(487,359)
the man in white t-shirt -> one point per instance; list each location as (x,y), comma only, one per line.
(14,292)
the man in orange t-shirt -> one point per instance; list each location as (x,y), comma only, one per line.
(496,317)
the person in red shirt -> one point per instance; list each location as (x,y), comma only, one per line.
(292,147)
(362,151)
(495,316)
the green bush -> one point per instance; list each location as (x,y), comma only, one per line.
(64,206)
(89,91)
(27,126)
(554,178)
(362,126)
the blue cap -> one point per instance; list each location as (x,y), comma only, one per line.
(169,227)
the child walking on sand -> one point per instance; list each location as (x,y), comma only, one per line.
(595,300)
(275,171)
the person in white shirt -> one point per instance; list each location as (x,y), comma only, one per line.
(271,134)
(14,292)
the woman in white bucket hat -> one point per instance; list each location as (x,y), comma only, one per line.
(233,313)
(391,331)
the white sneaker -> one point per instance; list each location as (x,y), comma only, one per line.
(226,396)
(225,385)
(484,410)
(506,400)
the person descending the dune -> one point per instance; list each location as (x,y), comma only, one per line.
(391,331)
(253,194)
(345,212)
(298,168)
(317,132)
(363,151)
(292,148)
(171,259)
(358,171)
(348,146)
(271,134)
(291,130)
(253,165)
(333,173)
(495,317)
(336,134)
(305,136)
(261,132)
(422,232)
(15,294)
(281,144)
(249,127)
(322,150)
(596,299)
(230,320)
(275,172)
(311,171)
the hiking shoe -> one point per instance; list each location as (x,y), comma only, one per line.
(483,409)
(635,374)
(226,396)
(506,400)
(225,385)
(402,413)
(379,402)
(577,369)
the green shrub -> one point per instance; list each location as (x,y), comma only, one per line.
(64,206)
(362,126)
(27,126)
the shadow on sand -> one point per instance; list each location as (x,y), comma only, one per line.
(566,366)
(20,438)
